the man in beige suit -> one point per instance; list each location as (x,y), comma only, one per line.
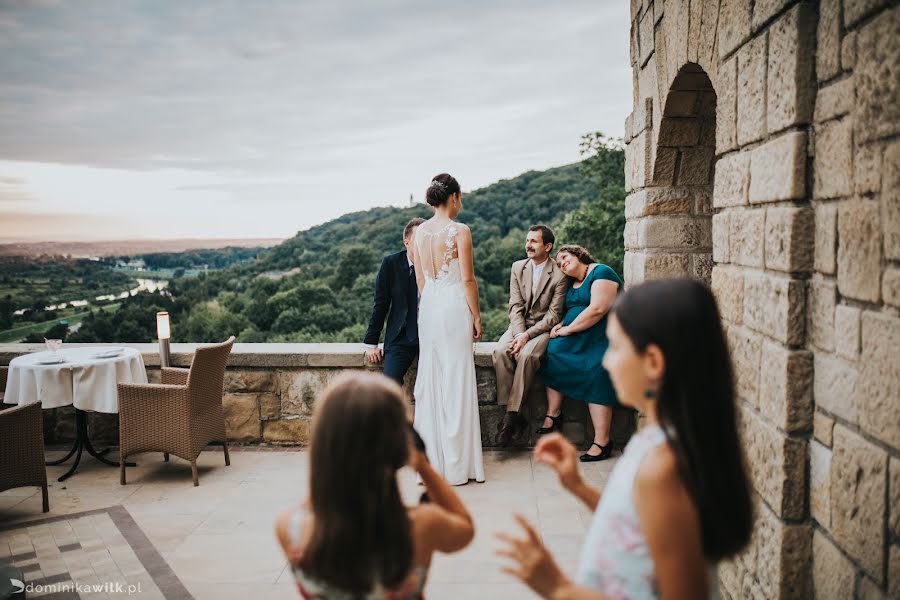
(537,294)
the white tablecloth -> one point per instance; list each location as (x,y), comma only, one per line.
(83,379)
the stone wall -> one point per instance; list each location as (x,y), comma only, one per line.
(270,392)
(763,156)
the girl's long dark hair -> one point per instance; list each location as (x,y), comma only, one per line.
(361,532)
(696,403)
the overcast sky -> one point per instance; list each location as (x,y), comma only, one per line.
(124,119)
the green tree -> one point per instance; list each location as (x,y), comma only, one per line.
(599,225)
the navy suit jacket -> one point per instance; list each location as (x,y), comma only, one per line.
(392,288)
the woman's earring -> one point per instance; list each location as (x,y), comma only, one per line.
(649,394)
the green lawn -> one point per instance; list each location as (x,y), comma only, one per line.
(21,332)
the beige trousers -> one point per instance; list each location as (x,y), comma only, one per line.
(514,376)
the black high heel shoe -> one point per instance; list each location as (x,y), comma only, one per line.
(555,427)
(605,452)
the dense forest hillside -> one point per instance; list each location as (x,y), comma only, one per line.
(318,285)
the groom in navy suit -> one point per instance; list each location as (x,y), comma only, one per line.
(396,297)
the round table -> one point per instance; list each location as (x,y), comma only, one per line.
(86,378)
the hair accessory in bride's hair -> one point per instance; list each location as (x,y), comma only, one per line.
(437,184)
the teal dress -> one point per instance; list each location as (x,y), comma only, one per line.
(573,363)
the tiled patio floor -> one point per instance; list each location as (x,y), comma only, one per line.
(217,539)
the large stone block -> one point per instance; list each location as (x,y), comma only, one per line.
(659,266)
(890,286)
(269,406)
(631,236)
(826,238)
(299,390)
(293,431)
(726,106)
(834,387)
(745,347)
(664,165)
(833,575)
(637,157)
(721,231)
(786,387)
(791,87)
(774,305)
(790,239)
(702,266)
(867,169)
(707,51)
(890,201)
(696,166)
(822,302)
(828,47)
(674,232)
(250,380)
(879,381)
(778,465)
(848,51)
(763,10)
(645,37)
(858,486)
(859,251)
(747,237)
(846,331)
(823,428)
(751,91)
(877,77)
(833,160)
(820,483)
(732,180)
(783,559)
(658,201)
(857,10)
(734,25)
(834,100)
(728,287)
(778,169)
(241,417)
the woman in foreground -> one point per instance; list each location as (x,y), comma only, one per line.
(353,537)
(678,501)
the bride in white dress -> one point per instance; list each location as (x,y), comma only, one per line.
(446,414)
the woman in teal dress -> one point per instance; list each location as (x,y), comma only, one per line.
(573,362)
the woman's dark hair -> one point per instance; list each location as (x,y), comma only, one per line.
(579,252)
(440,189)
(696,403)
(361,531)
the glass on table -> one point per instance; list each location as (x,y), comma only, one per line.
(53,345)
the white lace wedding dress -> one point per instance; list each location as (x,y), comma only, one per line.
(446,414)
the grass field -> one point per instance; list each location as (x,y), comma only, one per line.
(21,332)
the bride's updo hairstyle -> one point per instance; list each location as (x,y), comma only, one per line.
(441,188)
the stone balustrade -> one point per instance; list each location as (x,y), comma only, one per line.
(270,393)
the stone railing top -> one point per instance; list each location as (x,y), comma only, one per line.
(251,355)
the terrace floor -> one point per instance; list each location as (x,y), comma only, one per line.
(216,540)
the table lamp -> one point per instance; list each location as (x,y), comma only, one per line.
(163,332)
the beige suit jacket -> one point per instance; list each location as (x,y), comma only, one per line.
(538,313)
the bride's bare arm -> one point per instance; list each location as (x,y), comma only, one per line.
(467,272)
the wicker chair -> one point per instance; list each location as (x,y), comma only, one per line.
(22,449)
(179,416)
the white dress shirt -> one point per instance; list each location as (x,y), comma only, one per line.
(536,270)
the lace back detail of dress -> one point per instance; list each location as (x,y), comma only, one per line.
(430,245)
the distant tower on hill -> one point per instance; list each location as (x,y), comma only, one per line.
(412,200)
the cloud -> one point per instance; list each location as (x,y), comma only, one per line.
(309,96)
